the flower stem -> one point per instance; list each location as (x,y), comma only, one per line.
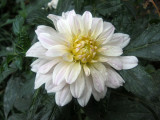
(155,7)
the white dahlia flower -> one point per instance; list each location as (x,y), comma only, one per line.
(78,56)
(53,4)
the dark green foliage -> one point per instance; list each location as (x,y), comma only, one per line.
(108,7)
(147,44)
(128,108)
(140,83)
(138,99)
(64,5)
(39,18)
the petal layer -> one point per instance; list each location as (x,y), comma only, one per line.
(78,86)
(63,96)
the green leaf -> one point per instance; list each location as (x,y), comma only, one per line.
(78,5)
(131,7)
(139,82)
(17,117)
(41,106)
(17,25)
(5,73)
(23,101)
(39,18)
(146,45)
(36,5)
(156,78)
(124,108)
(18,94)
(10,95)
(108,7)
(3,3)
(64,6)
(97,110)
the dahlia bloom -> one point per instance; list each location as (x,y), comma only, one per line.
(77,58)
(53,4)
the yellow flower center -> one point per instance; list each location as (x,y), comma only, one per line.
(84,49)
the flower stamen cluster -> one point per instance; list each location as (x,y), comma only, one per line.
(84,49)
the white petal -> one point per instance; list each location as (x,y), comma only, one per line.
(54,18)
(68,13)
(129,62)
(37,64)
(115,62)
(114,80)
(63,27)
(59,73)
(53,4)
(74,24)
(111,51)
(46,40)
(106,35)
(86,70)
(50,87)
(63,96)
(98,73)
(83,100)
(100,67)
(73,72)
(97,96)
(47,66)
(68,57)
(119,39)
(44,29)
(41,79)
(97,27)
(57,50)
(77,87)
(87,21)
(121,62)
(36,50)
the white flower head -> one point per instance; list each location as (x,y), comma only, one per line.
(78,58)
(53,4)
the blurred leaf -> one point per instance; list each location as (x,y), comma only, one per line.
(17,117)
(41,106)
(5,73)
(150,69)
(140,82)
(78,5)
(130,4)
(9,21)
(146,45)
(97,110)
(6,51)
(3,3)
(23,101)
(10,95)
(156,78)
(36,5)
(39,18)
(64,6)
(123,21)
(17,25)
(5,37)
(18,90)
(124,108)
(108,7)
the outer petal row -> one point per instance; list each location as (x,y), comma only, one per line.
(114,80)
(36,51)
(119,39)
(121,62)
(63,96)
